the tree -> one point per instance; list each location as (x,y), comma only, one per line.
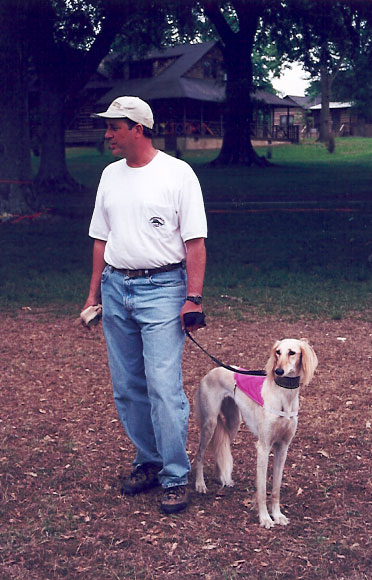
(239,27)
(324,35)
(237,24)
(15,164)
(68,40)
(354,82)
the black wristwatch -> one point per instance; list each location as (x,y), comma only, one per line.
(195,299)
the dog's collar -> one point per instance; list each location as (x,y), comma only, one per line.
(287,382)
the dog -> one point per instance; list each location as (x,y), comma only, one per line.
(220,405)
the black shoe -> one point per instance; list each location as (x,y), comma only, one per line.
(142,478)
(175,499)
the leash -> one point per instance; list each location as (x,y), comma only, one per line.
(221,364)
(284,382)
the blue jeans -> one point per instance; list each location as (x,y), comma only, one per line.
(141,322)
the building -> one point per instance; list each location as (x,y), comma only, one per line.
(303,116)
(185,86)
(344,122)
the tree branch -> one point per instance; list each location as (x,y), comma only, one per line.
(86,63)
(213,12)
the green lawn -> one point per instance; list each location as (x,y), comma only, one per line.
(289,263)
(306,171)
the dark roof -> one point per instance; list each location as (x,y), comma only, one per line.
(304,102)
(271,99)
(183,88)
(172,84)
(188,55)
(166,88)
(184,55)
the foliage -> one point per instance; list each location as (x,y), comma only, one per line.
(157,25)
(322,36)
(174,23)
(354,80)
(66,42)
(77,23)
(335,37)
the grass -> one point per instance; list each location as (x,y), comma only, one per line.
(296,263)
(304,171)
(315,264)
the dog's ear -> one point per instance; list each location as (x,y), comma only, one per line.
(309,361)
(271,363)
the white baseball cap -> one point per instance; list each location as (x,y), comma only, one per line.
(132,108)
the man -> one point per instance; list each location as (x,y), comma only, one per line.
(149,257)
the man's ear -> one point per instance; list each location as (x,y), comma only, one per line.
(138,129)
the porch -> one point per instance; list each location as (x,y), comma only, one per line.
(188,134)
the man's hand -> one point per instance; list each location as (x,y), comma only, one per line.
(93,301)
(191,308)
(91,314)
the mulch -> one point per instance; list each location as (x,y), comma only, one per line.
(63,451)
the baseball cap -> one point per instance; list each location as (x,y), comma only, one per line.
(129,107)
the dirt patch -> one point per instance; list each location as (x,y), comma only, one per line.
(63,449)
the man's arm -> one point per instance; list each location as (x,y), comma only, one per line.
(94,296)
(195,268)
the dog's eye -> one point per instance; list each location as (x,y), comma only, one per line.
(291,352)
(278,352)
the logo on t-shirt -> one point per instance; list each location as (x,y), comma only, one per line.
(157,222)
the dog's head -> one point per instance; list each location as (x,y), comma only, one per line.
(292,358)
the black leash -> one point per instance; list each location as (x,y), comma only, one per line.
(221,364)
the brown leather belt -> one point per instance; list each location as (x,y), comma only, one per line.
(143,273)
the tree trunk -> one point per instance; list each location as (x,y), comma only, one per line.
(325,128)
(53,176)
(15,158)
(63,71)
(237,145)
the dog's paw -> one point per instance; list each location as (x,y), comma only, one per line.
(228,482)
(201,487)
(266,522)
(281,520)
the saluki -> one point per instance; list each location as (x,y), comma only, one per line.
(272,417)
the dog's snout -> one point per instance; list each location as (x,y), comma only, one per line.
(279,371)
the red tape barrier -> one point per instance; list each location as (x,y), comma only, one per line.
(17,181)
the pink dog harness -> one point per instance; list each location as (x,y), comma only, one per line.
(251,385)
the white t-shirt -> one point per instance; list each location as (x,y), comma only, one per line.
(146,214)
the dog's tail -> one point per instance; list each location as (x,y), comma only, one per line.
(228,422)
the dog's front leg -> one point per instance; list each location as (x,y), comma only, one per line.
(262,463)
(280,456)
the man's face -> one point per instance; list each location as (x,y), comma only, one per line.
(119,136)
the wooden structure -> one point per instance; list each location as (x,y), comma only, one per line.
(344,121)
(185,86)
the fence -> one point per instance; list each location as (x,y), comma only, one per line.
(189,128)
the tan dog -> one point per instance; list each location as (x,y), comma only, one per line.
(220,407)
